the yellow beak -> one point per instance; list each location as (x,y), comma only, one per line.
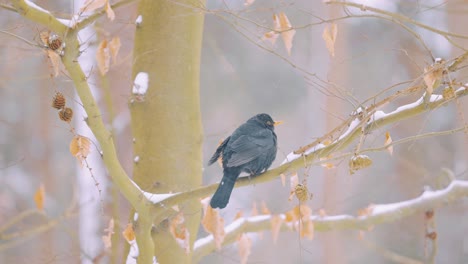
(277,123)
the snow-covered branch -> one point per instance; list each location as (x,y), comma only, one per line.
(375,214)
(294,162)
(376,120)
(42,16)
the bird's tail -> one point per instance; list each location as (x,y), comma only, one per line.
(221,197)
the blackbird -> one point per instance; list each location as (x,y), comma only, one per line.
(251,148)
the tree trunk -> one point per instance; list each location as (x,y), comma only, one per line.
(166,121)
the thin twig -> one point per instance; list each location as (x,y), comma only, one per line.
(396,16)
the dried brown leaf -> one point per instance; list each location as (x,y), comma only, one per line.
(276,23)
(129,233)
(388,141)
(91,5)
(328,165)
(363,212)
(322,212)
(213,223)
(361,234)
(114,47)
(80,147)
(304,212)
(276,222)
(307,229)
(329,35)
(244,245)
(238,215)
(254,211)
(44,36)
(107,241)
(179,232)
(248,2)
(299,215)
(432,77)
(283,179)
(287,32)
(54,59)
(39,197)
(293,182)
(290,217)
(109,231)
(103,57)
(300,211)
(110,13)
(264,209)
(271,36)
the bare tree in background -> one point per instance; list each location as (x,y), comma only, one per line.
(373,152)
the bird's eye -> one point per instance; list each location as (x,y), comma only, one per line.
(269,123)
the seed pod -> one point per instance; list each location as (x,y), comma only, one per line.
(302,193)
(432,235)
(66,114)
(59,101)
(429,214)
(358,162)
(54,42)
(448,93)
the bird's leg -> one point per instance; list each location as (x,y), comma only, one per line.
(251,174)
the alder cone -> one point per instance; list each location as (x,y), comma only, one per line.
(59,101)
(54,42)
(66,114)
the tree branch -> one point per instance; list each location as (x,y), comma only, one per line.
(39,15)
(94,120)
(396,16)
(12,239)
(378,214)
(90,19)
(377,121)
(8,7)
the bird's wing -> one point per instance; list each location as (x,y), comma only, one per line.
(249,147)
(218,151)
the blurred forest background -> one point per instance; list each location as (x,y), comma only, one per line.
(241,75)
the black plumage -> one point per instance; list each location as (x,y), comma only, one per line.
(251,148)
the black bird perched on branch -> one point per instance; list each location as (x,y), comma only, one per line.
(251,148)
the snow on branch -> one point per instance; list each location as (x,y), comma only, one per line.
(371,119)
(375,214)
(35,13)
(316,150)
